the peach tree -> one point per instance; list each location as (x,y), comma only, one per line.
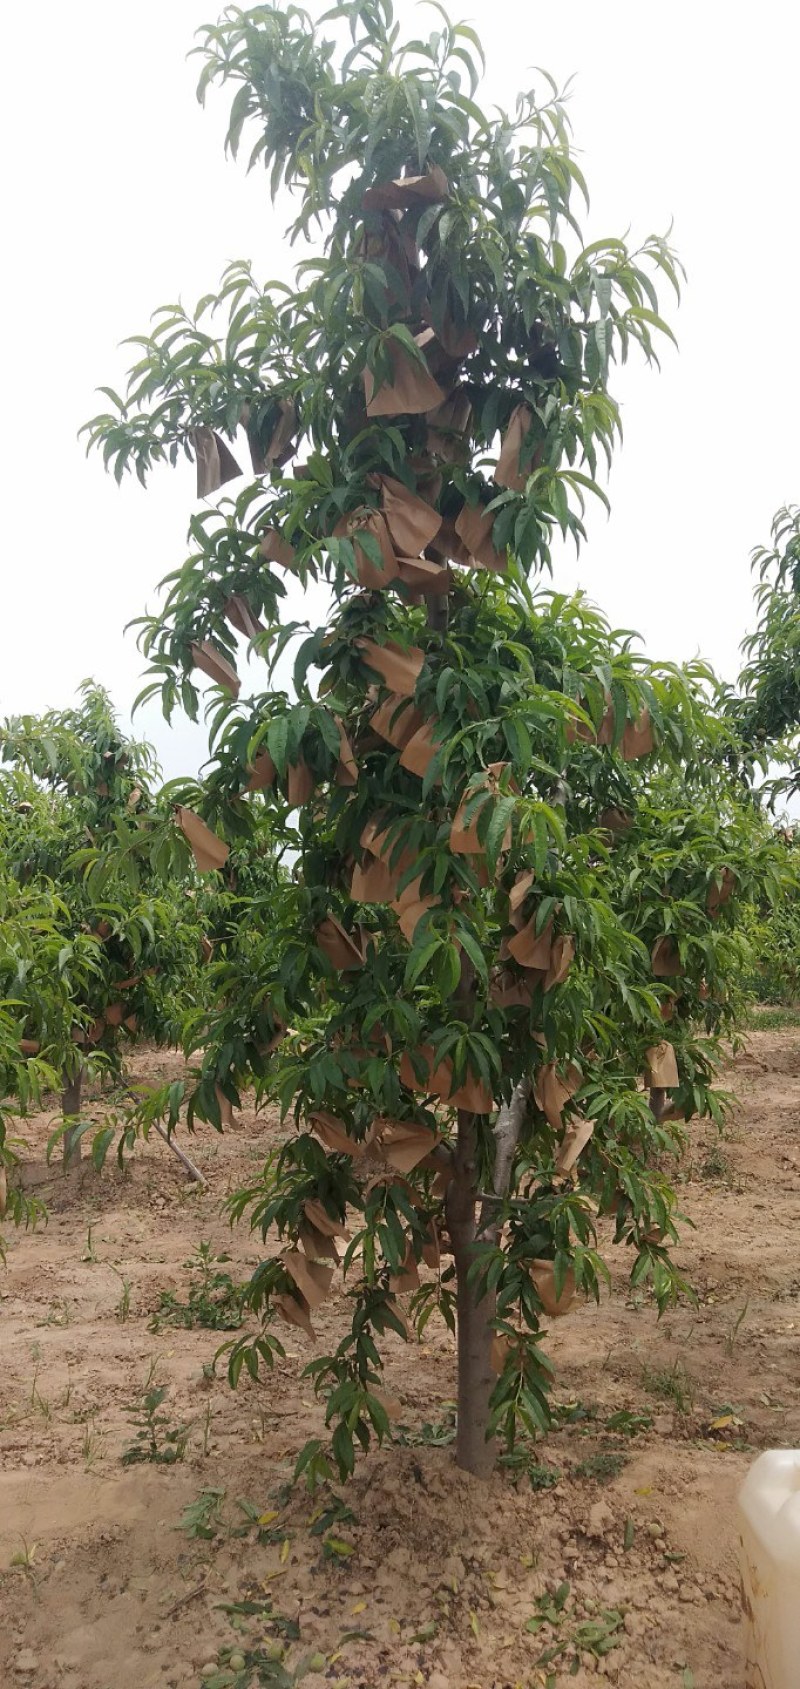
(457,1008)
(115,959)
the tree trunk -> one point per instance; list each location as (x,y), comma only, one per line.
(474,1451)
(659,1101)
(71,1105)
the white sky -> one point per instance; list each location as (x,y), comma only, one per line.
(117,198)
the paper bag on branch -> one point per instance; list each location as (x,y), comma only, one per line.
(421,749)
(447,427)
(312,1280)
(412,523)
(295,1310)
(333,1133)
(508,472)
(410,914)
(225,1107)
(299,784)
(374,576)
(518,893)
(637,740)
(214,663)
(457,341)
(551,1092)
(575,1139)
(343,949)
(473,1096)
(114,1014)
(317,1214)
(407,191)
(719,894)
(508,991)
(278,448)
(208,850)
(544,1279)
(433,579)
(399,667)
(615,821)
(383,843)
(408,1276)
(561,959)
(464,840)
(662,1067)
(448,546)
(665,958)
(431,1248)
(275,549)
(396,720)
(317,1245)
(263,772)
(405,1144)
(215,463)
(240,616)
(532,949)
(411,390)
(499,1352)
(474,526)
(346,767)
(374,883)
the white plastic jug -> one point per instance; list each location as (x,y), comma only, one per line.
(769,1536)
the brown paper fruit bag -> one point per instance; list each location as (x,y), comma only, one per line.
(421,749)
(411,390)
(208,850)
(720,894)
(299,784)
(344,950)
(474,526)
(665,958)
(637,740)
(214,663)
(263,772)
(396,720)
(412,523)
(662,1066)
(508,472)
(372,574)
(448,426)
(312,1279)
(419,575)
(240,616)
(215,463)
(543,1275)
(374,883)
(275,549)
(399,666)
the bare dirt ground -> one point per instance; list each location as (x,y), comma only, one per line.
(428,1578)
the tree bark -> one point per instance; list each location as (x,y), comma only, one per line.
(475,1452)
(659,1101)
(71,1105)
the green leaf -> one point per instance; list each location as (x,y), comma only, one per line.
(277,741)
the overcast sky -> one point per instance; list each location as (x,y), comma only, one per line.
(117,197)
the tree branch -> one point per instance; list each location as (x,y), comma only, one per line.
(507,1128)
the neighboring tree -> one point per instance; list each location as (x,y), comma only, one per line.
(40,970)
(120,943)
(767,703)
(471,1009)
(691,860)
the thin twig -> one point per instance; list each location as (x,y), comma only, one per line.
(192,1170)
(183,1600)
